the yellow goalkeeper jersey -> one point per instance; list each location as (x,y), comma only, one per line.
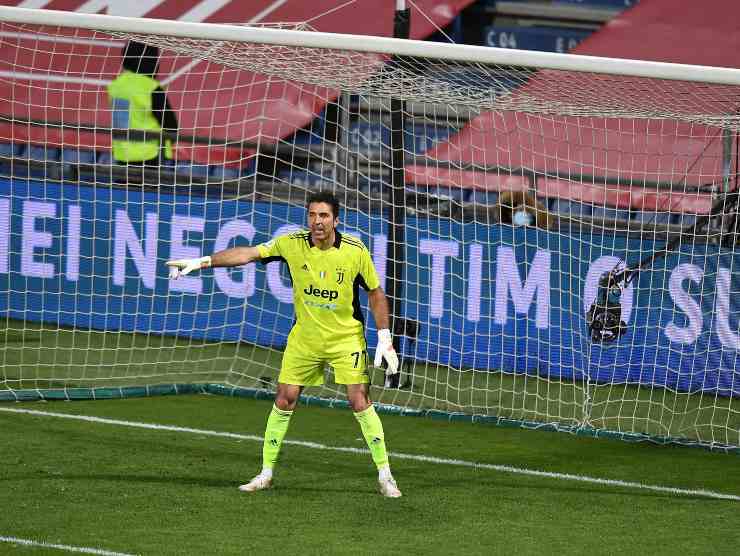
(326,285)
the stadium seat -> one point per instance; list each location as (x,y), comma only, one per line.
(452,193)
(684,219)
(369,184)
(650,217)
(610,213)
(168,165)
(421,137)
(570,208)
(302,178)
(72,158)
(9,150)
(103,169)
(219,172)
(36,157)
(615,4)
(484,197)
(78,156)
(313,133)
(43,154)
(187,170)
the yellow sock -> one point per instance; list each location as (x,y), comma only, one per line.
(277,426)
(372,430)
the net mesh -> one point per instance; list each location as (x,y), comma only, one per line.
(521,187)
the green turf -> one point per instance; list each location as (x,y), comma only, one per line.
(37,356)
(159,492)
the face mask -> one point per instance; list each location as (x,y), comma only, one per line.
(522,218)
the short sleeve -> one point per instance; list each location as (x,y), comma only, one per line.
(367,271)
(271,249)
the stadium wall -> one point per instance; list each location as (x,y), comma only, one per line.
(487,296)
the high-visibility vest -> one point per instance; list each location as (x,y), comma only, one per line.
(131,97)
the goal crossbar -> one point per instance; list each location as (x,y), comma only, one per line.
(376,45)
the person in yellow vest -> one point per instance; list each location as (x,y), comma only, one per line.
(140,103)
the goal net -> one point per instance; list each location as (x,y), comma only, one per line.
(493,188)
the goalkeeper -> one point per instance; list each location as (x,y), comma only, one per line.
(326,269)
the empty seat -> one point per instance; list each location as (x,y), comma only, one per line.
(9,150)
(103,171)
(308,180)
(610,213)
(571,208)
(35,158)
(219,172)
(369,184)
(39,153)
(651,217)
(484,197)
(78,156)
(684,219)
(71,158)
(449,193)
(185,169)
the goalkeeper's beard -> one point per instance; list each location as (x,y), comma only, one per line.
(320,235)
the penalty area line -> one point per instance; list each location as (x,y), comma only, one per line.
(412,457)
(65,547)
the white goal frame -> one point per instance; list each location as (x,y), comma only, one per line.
(399,50)
(382,45)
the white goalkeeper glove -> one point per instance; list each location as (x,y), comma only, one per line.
(182,267)
(384,350)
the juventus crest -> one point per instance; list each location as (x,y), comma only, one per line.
(340,275)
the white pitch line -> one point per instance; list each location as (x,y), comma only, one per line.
(412,457)
(68,548)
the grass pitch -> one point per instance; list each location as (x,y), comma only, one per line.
(119,488)
(41,356)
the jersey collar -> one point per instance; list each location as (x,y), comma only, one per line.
(337,239)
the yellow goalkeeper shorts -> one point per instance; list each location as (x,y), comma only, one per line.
(304,366)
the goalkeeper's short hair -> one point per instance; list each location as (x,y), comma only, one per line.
(325,197)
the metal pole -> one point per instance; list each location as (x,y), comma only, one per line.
(341,163)
(727,144)
(396,194)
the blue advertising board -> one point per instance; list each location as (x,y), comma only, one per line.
(615,4)
(486,296)
(546,39)
(365,137)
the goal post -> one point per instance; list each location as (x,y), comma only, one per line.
(528,177)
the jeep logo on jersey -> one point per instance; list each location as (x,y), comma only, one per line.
(331,295)
(340,275)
